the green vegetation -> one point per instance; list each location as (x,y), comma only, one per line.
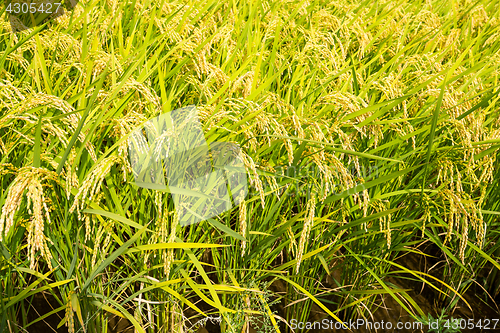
(370,132)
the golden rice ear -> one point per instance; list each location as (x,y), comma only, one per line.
(308,223)
(253,175)
(299,131)
(97,242)
(426,202)
(461,212)
(92,184)
(293,244)
(29,181)
(385,221)
(242,217)
(100,245)
(70,320)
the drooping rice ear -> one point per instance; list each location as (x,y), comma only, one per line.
(243,220)
(308,223)
(29,181)
(91,186)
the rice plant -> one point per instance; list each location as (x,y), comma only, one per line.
(368,132)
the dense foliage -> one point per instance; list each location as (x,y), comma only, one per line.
(369,130)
